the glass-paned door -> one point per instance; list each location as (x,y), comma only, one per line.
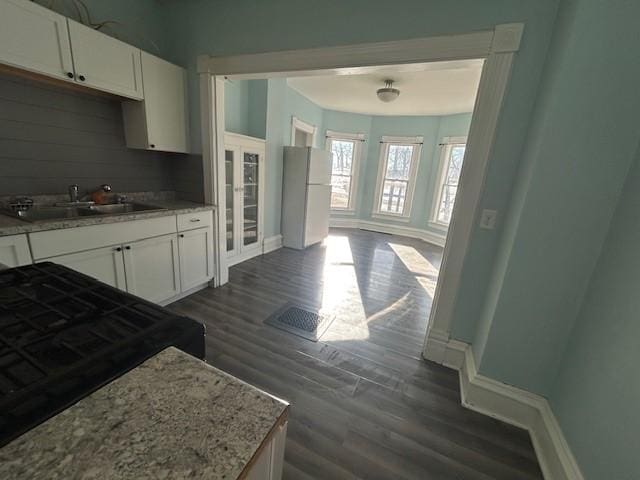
(230,189)
(250,166)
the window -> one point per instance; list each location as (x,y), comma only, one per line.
(452,156)
(396,176)
(344,149)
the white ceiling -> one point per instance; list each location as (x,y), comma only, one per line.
(439,88)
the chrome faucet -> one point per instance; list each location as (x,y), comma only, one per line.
(73,193)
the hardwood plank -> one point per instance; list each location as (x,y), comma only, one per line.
(364,405)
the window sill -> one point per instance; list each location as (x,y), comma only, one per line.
(439,226)
(395,218)
(342,211)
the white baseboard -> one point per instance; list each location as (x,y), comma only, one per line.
(184,294)
(272,243)
(523,409)
(268,245)
(406,231)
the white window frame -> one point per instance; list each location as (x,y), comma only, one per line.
(358,139)
(446,145)
(385,142)
(297,124)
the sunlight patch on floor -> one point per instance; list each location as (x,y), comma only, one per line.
(341,294)
(423,270)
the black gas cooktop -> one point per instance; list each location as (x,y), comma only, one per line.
(63,335)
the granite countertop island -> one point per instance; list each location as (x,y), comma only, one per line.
(173,417)
(13,226)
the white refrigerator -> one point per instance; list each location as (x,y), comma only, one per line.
(306,196)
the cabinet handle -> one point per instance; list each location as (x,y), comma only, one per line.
(182,235)
(194,220)
(152,145)
(128,247)
(70,74)
(118,249)
(81,77)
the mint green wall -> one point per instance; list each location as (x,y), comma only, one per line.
(432,128)
(236,106)
(277,135)
(258,101)
(597,392)
(583,138)
(245,107)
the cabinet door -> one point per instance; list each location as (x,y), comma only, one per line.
(105,63)
(34,38)
(196,260)
(14,251)
(152,269)
(233,215)
(165,104)
(104,264)
(251,197)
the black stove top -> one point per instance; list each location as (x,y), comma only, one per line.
(63,335)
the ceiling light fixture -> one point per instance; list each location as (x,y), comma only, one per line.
(388,93)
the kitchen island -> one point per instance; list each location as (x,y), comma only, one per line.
(172,417)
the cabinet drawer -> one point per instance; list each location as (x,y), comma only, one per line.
(188,221)
(60,242)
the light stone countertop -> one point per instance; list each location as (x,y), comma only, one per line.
(173,417)
(13,226)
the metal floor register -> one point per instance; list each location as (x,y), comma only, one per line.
(301,322)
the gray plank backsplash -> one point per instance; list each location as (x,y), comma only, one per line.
(51,137)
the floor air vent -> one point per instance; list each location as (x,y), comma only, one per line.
(301,322)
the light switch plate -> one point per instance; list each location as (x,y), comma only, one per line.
(488,219)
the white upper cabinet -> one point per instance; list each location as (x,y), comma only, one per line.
(34,38)
(105,63)
(160,121)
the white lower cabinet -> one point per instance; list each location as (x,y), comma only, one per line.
(196,259)
(157,259)
(269,462)
(14,251)
(152,268)
(104,264)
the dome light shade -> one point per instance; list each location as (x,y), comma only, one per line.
(388,93)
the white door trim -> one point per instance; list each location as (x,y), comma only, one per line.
(297,124)
(497,47)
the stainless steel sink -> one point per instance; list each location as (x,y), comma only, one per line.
(117,208)
(53,213)
(40,213)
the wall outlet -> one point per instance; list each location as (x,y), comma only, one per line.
(488,219)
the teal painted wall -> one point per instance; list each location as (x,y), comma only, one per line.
(582,141)
(236,106)
(245,107)
(597,392)
(258,101)
(277,135)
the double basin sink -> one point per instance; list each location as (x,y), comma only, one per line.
(38,213)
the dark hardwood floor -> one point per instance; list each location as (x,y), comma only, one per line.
(363,402)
